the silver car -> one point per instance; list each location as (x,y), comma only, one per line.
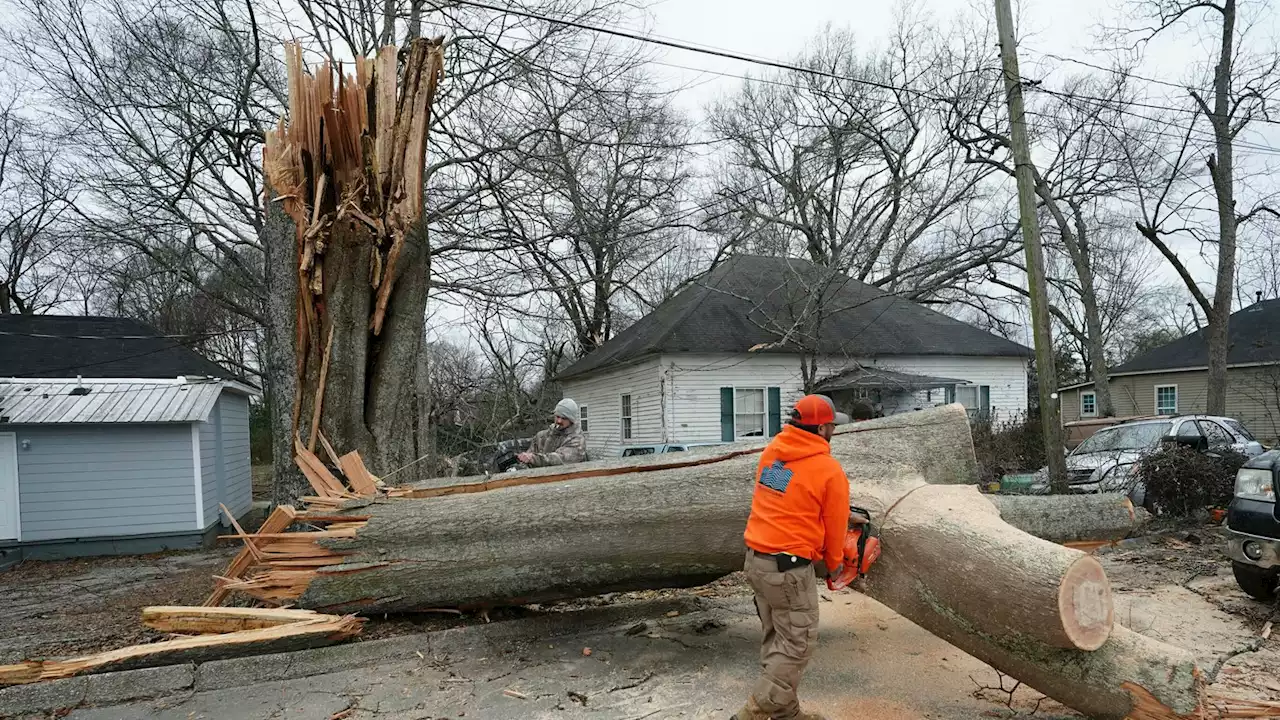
(1107,460)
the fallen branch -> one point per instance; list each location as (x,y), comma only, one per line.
(308,631)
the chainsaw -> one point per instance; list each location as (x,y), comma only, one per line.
(861,549)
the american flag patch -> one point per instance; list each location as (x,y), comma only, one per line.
(776,477)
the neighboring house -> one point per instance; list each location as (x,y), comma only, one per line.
(114,440)
(721,360)
(1173,378)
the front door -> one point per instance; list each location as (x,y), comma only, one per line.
(8,486)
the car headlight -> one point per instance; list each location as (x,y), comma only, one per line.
(1255,484)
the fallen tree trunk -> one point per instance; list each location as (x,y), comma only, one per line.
(1024,605)
(1072,518)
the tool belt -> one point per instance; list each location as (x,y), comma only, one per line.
(785,561)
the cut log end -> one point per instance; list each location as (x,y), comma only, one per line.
(1084,604)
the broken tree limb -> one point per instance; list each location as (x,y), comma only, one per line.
(306,631)
(1073,518)
(950,563)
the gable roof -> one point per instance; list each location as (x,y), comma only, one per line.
(1254,337)
(747,302)
(66,346)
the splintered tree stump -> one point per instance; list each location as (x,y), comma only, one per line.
(1036,610)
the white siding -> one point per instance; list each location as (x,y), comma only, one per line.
(602,394)
(693,383)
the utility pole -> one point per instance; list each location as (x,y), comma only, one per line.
(1050,416)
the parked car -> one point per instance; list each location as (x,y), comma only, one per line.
(1107,459)
(1077,431)
(1253,527)
(633,450)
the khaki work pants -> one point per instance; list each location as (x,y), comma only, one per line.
(787,603)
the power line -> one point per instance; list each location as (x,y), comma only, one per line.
(690,47)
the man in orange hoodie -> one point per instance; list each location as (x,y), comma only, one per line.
(799,516)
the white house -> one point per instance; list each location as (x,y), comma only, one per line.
(722,359)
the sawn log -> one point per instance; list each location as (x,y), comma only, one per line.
(1073,518)
(1033,609)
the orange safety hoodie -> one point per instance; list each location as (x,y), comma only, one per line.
(801,501)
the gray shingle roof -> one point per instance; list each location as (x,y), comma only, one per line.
(1254,334)
(65,346)
(748,301)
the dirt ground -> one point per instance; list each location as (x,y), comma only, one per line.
(1177,588)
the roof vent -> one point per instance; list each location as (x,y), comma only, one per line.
(79,391)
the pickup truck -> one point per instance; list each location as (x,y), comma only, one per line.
(1253,525)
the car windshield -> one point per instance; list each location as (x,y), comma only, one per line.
(1124,437)
(1241,431)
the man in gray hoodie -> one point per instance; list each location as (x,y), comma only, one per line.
(562,443)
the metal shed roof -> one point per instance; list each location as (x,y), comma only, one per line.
(63,402)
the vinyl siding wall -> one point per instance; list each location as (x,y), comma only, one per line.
(98,481)
(1253,396)
(693,383)
(602,395)
(211,479)
(224,459)
(233,410)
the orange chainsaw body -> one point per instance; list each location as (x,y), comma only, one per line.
(859,553)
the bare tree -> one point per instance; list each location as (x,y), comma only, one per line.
(1243,84)
(852,167)
(35,199)
(597,199)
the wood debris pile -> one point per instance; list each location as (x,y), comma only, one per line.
(276,566)
(203,633)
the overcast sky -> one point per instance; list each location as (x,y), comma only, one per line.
(780,30)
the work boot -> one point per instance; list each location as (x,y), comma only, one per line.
(750,711)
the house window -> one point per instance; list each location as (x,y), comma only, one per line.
(975,398)
(1166,399)
(583,422)
(748,412)
(1088,404)
(871,395)
(626,417)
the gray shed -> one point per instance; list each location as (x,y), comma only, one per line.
(92,467)
(114,439)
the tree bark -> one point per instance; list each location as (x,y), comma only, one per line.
(1072,518)
(950,564)
(1221,168)
(281,287)
(348,260)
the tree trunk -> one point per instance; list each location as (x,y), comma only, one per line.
(1029,607)
(1072,518)
(1222,171)
(280,275)
(347,257)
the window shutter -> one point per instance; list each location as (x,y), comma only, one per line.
(726,414)
(950,394)
(775,411)
(984,399)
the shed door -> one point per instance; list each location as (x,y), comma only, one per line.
(8,486)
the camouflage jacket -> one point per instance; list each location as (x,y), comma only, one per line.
(554,446)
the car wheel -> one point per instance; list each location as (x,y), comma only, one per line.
(1258,583)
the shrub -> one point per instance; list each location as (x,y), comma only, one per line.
(1180,480)
(1015,445)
